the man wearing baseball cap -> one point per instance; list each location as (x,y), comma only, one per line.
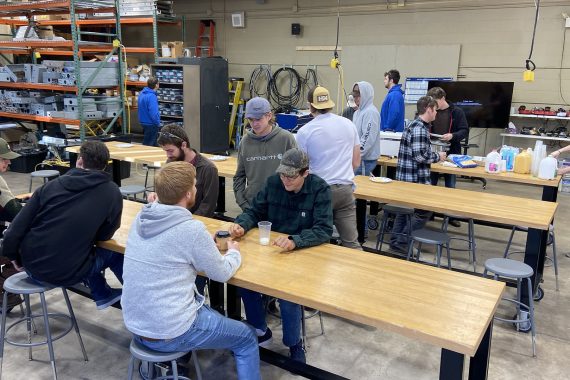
(333,147)
(298,204)
(260,151)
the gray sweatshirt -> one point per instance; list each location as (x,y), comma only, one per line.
(258,158)
(367,121)
(165,249)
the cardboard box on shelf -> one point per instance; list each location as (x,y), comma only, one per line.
(174,49)
(45,32)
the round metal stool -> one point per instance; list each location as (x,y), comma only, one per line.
(45,174)
(519,271)
(425,236)
(133,190)
(21,283)
(389,210)
(144,354)
(470,236)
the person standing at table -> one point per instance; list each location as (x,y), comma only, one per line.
(166,247)
(565,169)
(414,159)
(53,237)
(393,110)
(297,204)
(333,147)
(148,112)
(367,122)
(259,152)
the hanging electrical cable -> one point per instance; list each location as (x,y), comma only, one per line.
(283,78)
(260,82)
(528,75)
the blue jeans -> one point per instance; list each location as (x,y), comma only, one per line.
(211,330)
(366,166)
(95,279)
(290,316)
(450,179)
(150,134)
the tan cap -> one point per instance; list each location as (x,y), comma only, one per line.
(5,151)
(322,98)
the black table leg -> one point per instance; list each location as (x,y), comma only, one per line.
(375,206)
(479,364)
(234,302)
(216,292)
(391,172)
(221,206)
(451,365)
(360,219)
(117,172)
(535,253)
(549,193)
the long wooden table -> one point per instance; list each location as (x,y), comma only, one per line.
(534,214)
(549,187)
(447,309)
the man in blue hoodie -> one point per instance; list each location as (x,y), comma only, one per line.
(367,120)
(392,112)
(149,115)
(53,237)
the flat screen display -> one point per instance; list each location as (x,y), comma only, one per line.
(486,104)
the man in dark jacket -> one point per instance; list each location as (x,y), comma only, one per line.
(149,115)
(297,204)
(53,238)
(450,122)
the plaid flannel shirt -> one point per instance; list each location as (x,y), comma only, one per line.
(415,155)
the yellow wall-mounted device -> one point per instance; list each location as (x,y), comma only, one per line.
(334,63)
(528,76)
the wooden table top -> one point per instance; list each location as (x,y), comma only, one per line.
(122,148)
(479,172)
(226,168)
(437,306)
(477,205)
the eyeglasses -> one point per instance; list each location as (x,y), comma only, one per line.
(289,177)
(169,135)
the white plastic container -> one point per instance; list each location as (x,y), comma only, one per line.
(493,162)
(548,168)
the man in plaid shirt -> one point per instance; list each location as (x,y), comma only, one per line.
(414,159)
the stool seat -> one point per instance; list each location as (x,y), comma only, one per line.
(508,268)
(146,354)
(398,209)
(21,283)
(427,236)
(132,189)
(45,173)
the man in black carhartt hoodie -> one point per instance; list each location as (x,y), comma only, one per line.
(53,237)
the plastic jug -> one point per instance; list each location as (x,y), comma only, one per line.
(537,156)
(548,167)
(523,162)
(508,154)
(493,162)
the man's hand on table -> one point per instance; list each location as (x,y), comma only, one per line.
(233,245)
(442,156)
(236,230)
(446,137)
(285,243)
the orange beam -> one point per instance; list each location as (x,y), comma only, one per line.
(46,119)
(135,83)
(38,86)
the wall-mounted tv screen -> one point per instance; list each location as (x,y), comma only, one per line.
(486,104)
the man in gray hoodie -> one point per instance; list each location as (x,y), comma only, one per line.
(367,121)
(260,151)
(166,247)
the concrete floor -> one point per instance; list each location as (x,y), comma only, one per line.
(348,349)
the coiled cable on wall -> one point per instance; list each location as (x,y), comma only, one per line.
(281,78)
(259,75)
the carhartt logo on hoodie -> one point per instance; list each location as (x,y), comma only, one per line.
(264,158)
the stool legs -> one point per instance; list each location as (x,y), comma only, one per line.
(3,329)
(29,323)
(48,335)
(74,321)
(554,258)
(131,368)
(531,315)
(196,365)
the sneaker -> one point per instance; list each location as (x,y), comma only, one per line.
(297,353)
(112,299)
(454,223)
(265,339)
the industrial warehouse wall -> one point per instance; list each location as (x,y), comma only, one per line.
(494,39)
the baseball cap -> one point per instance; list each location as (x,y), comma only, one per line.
(256,108)
(5,151)
(322,98)
(293,161)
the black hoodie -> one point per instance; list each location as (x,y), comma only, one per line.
(53,236)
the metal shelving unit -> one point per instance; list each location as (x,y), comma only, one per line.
(76,48)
